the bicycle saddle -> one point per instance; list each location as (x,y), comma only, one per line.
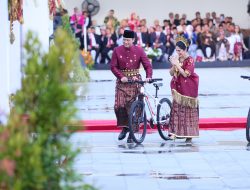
(158,84)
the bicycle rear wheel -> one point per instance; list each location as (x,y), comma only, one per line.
(248,127)
(137,122)
(163,117)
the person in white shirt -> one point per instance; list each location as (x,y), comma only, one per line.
(93,41)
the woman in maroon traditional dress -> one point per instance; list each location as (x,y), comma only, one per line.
(184,117)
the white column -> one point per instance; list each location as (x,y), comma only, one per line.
(4,63)
(36,18)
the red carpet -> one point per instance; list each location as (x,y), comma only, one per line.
(204,123)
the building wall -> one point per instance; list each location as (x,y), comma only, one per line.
(159,9)
(36,18)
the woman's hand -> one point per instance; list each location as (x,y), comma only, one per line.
(174,60)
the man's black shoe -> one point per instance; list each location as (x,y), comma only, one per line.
(123,133)
(130,140)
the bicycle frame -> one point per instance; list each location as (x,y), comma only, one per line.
(146,99)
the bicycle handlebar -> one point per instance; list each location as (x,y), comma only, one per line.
(245,77)
(143,82)
(155,80)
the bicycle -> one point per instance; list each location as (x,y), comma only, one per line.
(248,116)
(160,113)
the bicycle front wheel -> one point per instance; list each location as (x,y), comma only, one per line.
(248,127)
(163,117)
(137,122)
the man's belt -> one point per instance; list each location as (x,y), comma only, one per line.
(130,72)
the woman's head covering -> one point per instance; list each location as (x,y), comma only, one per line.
(182,42)
(128,34)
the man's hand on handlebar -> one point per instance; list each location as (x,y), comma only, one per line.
(148,79)
(124,79)
(134,78)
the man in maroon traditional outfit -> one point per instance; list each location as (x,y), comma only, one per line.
(184,116)
(125,64)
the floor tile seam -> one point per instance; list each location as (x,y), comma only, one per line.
(149,163)
(213,168)
(123,171)
(178,161)
(243,168)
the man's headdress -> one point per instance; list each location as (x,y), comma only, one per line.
(128,34)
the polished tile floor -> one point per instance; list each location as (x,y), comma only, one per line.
(215,161)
